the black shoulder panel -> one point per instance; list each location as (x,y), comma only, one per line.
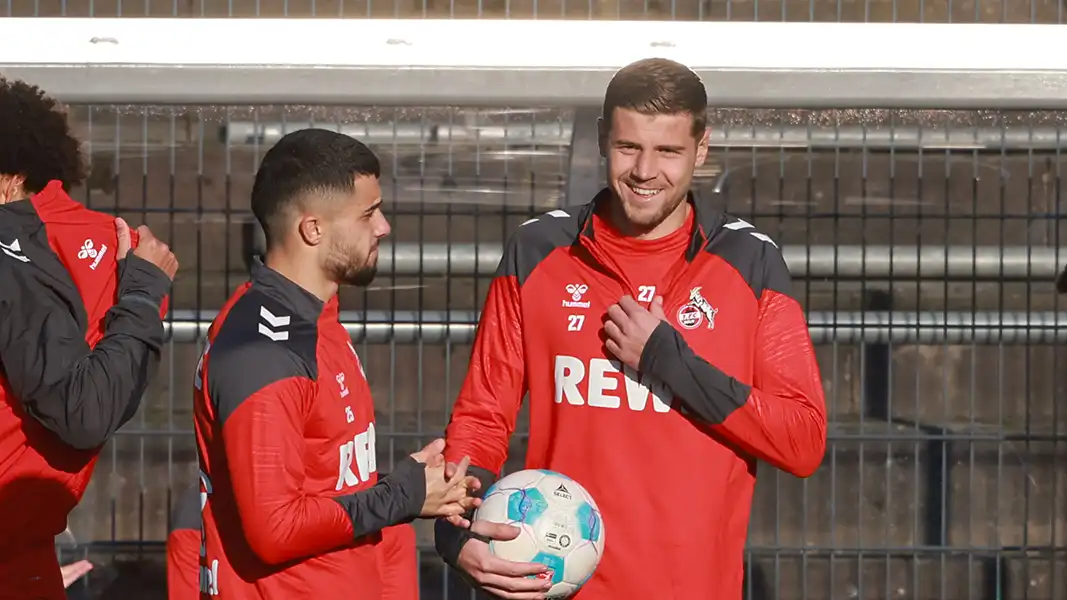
(536,239)
(186,513)
(753,254)
(260,343)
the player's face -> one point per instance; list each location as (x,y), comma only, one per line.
(651,159)
(351,241)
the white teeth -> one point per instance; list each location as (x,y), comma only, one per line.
(644,192)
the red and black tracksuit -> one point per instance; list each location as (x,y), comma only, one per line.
(80,337)
(668,451)
(285,431)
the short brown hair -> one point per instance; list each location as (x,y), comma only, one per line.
(658,86)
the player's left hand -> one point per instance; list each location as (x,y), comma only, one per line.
(628,327)
(74,571)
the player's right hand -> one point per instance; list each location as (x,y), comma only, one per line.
(445,496)
(148,248)
(502,578)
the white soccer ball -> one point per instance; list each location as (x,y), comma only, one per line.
(561,526)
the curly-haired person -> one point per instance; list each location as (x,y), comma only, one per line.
(81,304)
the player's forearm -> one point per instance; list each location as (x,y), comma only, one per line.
(783,430)
(449,539)
(395,499)
(85,395)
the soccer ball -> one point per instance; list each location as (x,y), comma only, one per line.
(561,526)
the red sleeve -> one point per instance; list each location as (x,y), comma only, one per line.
(484,416)
(783,421)
(399,563)
(781,417)
(265,449)
(183,564)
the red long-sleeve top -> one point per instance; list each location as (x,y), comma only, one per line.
(669,452)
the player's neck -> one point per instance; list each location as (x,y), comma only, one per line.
(307,276)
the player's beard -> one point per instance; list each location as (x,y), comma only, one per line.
(646,218)
(348,266)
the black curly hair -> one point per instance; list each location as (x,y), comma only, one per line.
(35,138)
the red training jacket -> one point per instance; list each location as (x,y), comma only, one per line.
(285,433)
(80,337)
(669,452)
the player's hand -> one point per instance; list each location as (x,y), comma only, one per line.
(74,571)
(473,485)
(502,578)
(149,248)
(628,327)
(445,496)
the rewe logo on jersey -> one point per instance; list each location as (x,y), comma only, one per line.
(597,384)
(359,453)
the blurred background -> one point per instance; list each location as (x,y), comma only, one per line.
(923,244)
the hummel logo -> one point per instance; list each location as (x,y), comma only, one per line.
(740,224)
(14,250)
(88,251)
(269,329)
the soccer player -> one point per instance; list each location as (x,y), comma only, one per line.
(283,414)
(80,334)
(663,355)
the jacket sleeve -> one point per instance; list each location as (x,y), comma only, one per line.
(264,398)
(781,417)
(399,563)
(83,395)
(487,408)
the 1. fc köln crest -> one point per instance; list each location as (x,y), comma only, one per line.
(696,311)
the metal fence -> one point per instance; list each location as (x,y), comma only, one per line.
(881,11)
(923,244)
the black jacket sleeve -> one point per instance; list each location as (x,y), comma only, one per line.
(449,539)
(82,395)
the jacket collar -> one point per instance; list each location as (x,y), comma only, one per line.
(303,303)
(707,220)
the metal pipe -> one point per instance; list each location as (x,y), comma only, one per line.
(898,327)
(560,133)
(897,262)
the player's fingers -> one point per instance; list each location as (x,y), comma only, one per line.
(617,316)
(459,521)
(630,306)
(122,229)
(513,587)
(450,470)
(145,234)
(502,593)
(495,531)
(613,348)
(613,331)
(507,568)
(657,309)
(461,472)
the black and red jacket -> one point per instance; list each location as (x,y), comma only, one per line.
(80,338)
(668,451)
(285,432)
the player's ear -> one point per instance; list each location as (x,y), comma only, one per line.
(602,136)
(702,147)
(310,229)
